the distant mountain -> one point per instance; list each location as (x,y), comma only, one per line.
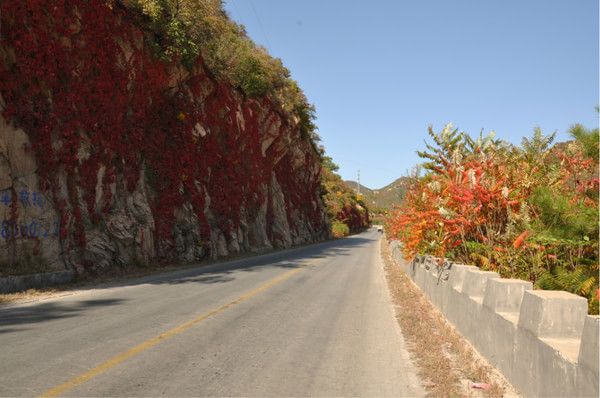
(384,198)
(363,190)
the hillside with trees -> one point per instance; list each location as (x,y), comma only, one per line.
(347,212)
(381,201)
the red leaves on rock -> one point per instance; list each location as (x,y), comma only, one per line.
(81,80)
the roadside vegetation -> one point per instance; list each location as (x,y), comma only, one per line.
(527,211)
(346,210)
(381,200)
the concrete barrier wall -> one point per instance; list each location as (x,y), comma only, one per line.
(542,341)
(19,283)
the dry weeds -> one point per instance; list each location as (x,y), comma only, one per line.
(28,295)
(446,362)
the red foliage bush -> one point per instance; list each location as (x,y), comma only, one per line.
(529,212)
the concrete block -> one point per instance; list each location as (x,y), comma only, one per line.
(587,370)
(453,307)
(423,276)
(464,312)
(426,280)
(422,279)
(446,296)
(468,319)
(419,273)
(439,286)
(553,314)
(457,275)
(523,372)
(588,351)
(433,287)
(540,369)
(456,305)
(586,384)
(505,295)
(475,282)
(495,339)
(412,267)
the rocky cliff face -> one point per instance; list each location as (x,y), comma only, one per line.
(110,156)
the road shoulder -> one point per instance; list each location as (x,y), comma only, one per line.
(447,363)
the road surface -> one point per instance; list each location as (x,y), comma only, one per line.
(311,321)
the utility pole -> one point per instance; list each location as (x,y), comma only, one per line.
(358,184)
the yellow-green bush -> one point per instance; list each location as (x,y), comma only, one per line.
(339,229)
(343,205)
(191,28)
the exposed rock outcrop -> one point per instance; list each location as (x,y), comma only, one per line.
(109,156)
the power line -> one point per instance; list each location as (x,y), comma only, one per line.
(237,10)
(260,24)
(363,164)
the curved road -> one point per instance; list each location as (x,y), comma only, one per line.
(311,321)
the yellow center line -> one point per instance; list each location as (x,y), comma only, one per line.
(122,357)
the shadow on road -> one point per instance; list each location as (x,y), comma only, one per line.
(223,272)
(11,316)
(203,274)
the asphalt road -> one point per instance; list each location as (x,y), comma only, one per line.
(312,321)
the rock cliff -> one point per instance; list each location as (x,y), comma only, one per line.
(109,155)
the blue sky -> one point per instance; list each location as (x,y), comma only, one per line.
(379,72)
